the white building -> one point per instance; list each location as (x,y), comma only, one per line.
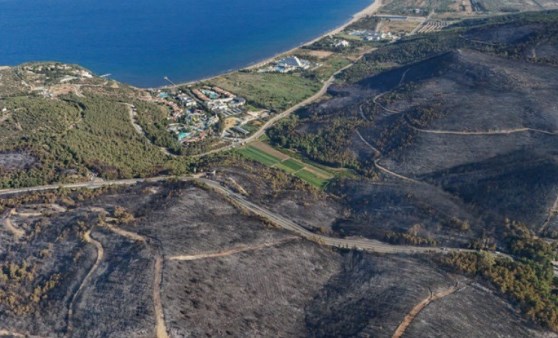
(292,63)
(341,44)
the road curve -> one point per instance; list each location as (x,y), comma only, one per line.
(289,111)
(100,255)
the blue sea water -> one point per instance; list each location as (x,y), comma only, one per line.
(141,41)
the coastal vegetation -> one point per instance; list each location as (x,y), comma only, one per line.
(272,91)
(153,121)
(72,137)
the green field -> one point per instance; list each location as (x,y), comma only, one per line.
(330,66)
(259,156)
(311,178)
(292,166)
(269,90)
(284,167)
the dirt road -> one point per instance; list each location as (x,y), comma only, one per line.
(139,130)
(160,328)
(16,231)
(160,325)
(480,133)
(128,234)
(382,168)
(230,252)
(400,331)
(100,254)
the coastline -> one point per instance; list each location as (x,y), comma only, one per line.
(368,11)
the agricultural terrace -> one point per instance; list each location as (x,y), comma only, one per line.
(267,155)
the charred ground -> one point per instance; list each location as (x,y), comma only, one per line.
(221,272)
(458,138)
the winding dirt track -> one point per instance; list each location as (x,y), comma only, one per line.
(100,255)
(380,167)
(232,251)
(16,231)
(11,334)
(128,234)
(139,130)
(400,331)
(452,132)
(160,328)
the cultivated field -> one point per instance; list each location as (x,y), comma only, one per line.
(267,155)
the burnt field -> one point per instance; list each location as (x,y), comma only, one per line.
(449,146)
(14,161)
(176,259)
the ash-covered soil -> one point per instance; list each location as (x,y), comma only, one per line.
(222,272)
(453,145)
(381,290)
(122,285)
(262,293)
(14,161)
(450,317)
(282,193)
(488,136)
(377,208)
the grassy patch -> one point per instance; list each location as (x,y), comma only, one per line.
(297,158)
(308,172)
(293,164)
(330,66)
(259,156)
(284,167)
(269,90)
(311,178)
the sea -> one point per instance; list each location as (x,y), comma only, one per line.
(142,41)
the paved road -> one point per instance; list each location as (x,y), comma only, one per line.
(358,243)
(97,184)
(343,243)
(278,117)
(287,112)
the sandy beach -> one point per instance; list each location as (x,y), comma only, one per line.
(368,11)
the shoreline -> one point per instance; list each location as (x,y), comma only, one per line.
(367,11)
